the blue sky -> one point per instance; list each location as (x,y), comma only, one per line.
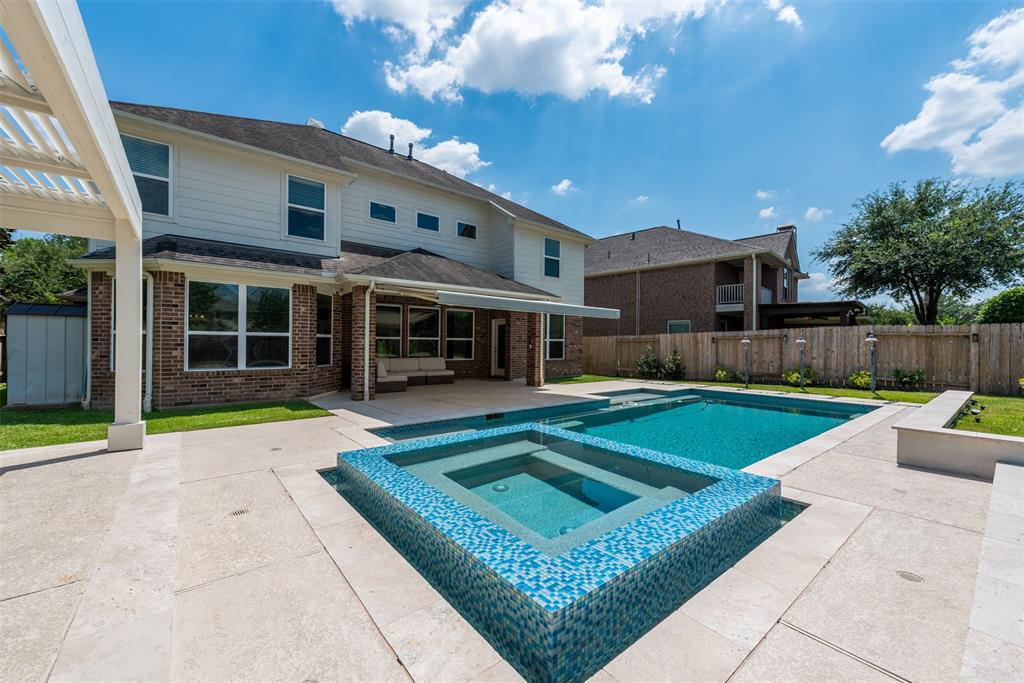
(651,111)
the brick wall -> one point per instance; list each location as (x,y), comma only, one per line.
(534,349)
(101,379)
(611,291)
(359,345)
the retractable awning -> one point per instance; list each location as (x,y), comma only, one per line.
(503,303)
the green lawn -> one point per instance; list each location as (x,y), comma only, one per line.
(884,394)
(26,427)
(1001,415)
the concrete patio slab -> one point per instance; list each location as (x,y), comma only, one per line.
(33,628)
(788,655)
(738,606)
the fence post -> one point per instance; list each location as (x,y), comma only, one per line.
(975,360)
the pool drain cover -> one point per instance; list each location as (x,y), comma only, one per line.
(909,576)
(500,488)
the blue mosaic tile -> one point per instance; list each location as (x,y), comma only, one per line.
(561,618)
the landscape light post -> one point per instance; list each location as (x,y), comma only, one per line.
(871,340)
(801,343)
(746,363)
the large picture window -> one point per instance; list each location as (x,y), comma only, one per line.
(389,331)
(238,326)
(552,257)
(556,337)
(151,166)
(324,328)
(459,334)
(306,208)
(424,332)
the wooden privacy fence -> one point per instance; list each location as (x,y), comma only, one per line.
(984,358)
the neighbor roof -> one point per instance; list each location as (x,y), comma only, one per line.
(418,265)
(662,245)
(326,148)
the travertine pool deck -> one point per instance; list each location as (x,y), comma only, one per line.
(222,555)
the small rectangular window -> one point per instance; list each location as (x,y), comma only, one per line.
(382,212)
(467,230)
(424,332)
(459,327)
(556,337)
(306,208)
(552,257)
(389,331)
(678,326)
(324,328)
(428,222)
(151,166)
(786,275)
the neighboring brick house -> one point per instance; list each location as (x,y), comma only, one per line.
(281,260)
(671,280)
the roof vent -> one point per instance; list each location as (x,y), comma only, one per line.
(410,152)
(788,227)
(632,237)
(315,123)
(679,226)
(391,150)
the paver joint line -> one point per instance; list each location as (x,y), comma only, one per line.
(826,643)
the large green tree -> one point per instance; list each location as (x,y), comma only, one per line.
(35,270)
(940,238)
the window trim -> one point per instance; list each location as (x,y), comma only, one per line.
(369,215)
(288,205)
(329,335)
(545,257)
(547,337)
(471,339)
(401,319)
(476,231)
(171,157)
(409,338)
(689,326)
(787,274)
(240,333)
(416,222)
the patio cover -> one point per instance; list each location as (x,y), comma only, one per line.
(502,303)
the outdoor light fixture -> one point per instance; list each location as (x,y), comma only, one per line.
(871,340)
(801,343)
(746,362)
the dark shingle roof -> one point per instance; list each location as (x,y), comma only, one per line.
(664,245)
(776,242)
(355,259)
(327,148)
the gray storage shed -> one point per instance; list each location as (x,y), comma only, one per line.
(45,354)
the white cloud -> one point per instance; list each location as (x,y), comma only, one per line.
(452,155)
(967,114)
(768,212)
(424,22)
(491,187)
(562,187)
(639,199)
(570,48)
(814,214)
(816,286)
(787,14)
(764,194)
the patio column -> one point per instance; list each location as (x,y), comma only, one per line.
(535,350)
(364,343)
(128,430)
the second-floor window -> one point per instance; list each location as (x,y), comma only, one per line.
(151,165)
(383,212)
(467,230)
(552,257)
(306,208)
(426,221)
(786,275)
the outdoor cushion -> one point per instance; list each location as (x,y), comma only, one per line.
(415,373)
(402,366)
(382,370)
(440,373)
(432,364)
(392,379)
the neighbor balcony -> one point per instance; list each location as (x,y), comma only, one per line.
(731,297)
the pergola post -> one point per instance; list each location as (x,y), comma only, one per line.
(128,429)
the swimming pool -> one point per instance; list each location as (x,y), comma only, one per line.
(724,428)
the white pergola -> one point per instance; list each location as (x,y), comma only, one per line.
(63,169)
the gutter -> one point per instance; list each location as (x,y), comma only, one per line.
(692,262)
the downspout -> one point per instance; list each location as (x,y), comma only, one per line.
(87,369)
(147,399)
(756,281)
(366,341)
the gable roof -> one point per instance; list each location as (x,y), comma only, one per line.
(334,150)
(777,242)
(662,246)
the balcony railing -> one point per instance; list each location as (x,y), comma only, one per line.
(733,294)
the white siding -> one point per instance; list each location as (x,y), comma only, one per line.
(529,262)
(503,249)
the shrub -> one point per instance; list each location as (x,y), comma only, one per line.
(648,366)
(673,368)
(1005,307)
(861,379)
(723,375)
(908,378)
(792,377)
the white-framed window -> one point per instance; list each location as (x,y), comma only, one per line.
(459,326)
(150,162)
(428,221)
(465,230)
(389,331)
(385,213)
(307,208)
(424,332)
(556,337)
(678,326)
(113,321)
(552,257)
(234,327)
(786,275)
(324,328)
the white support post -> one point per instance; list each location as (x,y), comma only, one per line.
(128,429)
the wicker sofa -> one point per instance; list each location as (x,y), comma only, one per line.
(395,374)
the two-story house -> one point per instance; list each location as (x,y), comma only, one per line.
(669,280)
(284,260)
